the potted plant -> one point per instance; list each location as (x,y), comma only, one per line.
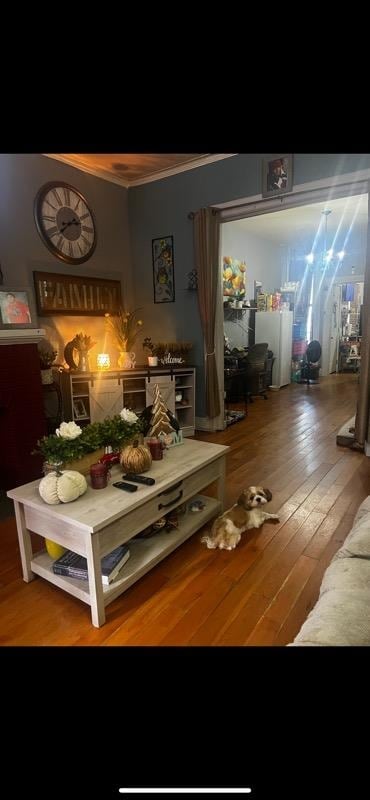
(152,349)
(70,443)
(47,357)
(125,328)
(83,344)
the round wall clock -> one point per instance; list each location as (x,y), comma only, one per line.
(65,222)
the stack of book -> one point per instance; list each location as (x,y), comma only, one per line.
(75,566)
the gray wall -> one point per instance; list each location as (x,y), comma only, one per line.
(22,250)
(154,209)
(161,208)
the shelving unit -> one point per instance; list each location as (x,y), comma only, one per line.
(93,396)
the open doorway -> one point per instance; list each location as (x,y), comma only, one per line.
(302,257)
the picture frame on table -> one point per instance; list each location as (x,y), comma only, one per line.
(277,175)
(79,409)
(17,308)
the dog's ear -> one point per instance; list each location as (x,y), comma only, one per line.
(244,499)
(268,495)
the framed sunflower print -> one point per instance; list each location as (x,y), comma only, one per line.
(163,270)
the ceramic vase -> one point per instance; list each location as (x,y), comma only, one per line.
(126,360)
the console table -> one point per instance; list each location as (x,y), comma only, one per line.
(102,519)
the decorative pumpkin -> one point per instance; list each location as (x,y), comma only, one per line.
(63,487)
(136,457)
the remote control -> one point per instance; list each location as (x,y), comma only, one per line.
(138,479)
(127,487)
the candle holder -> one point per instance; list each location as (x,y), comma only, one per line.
(103,361)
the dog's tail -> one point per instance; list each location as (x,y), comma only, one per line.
(209,541)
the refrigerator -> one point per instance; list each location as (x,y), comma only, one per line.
(276,328)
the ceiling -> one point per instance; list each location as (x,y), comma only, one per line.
(299,225)
(130,169)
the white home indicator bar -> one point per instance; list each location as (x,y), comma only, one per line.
(245,790)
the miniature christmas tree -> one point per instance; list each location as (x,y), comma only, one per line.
(159,421)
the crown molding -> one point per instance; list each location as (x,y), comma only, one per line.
(155,176)
(99,173)
(196,162)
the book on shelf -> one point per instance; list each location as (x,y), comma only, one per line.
(74,566)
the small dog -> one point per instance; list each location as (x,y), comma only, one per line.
(245,514)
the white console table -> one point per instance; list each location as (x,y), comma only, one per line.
(102,519)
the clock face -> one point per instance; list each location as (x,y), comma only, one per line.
(65,222)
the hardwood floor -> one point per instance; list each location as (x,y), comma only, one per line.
(258,594)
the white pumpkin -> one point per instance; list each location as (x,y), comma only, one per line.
(63,488)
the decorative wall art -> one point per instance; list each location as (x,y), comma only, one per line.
(16,308)
(71,294)
(234,277)
(277,175)
(163,270)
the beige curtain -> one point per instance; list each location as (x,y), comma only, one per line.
(363,403)
(207,246)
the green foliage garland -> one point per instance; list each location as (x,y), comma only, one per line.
(112,431)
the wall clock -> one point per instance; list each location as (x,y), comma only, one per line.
(65,222)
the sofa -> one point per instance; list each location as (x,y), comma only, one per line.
(341,615)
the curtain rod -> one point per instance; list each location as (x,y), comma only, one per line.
(192,214)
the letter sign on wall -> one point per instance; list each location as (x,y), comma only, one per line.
(69,294)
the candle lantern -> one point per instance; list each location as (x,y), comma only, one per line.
(103,361)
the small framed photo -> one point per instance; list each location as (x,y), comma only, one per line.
(17,308)
(277,175)
(163,270)
(79,409)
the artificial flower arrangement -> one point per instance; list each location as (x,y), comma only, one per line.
(125,328)
(148,345)
(83,342)
(47,355)
(70,442)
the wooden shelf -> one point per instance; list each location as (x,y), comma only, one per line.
(144,554)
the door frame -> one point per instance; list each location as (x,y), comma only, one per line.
(303,194)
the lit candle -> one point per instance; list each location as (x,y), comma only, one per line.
(103,361)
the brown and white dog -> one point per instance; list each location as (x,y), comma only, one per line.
(245,514)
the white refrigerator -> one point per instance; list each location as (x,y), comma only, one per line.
(276,328)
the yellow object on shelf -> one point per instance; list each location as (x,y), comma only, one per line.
(55,550)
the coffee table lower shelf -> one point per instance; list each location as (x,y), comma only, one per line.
(144,554)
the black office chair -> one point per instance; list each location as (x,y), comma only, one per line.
(256,368)
(310,367)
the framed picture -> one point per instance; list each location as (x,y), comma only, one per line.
(79,409)
(16,308)
(163,270)
(277,175)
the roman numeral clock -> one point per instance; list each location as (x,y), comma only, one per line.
(65,222)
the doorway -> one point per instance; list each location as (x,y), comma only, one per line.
(283,249)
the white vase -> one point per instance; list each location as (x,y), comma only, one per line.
(126,360)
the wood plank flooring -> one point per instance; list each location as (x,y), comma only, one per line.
(258,595)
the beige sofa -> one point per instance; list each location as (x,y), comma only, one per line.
(341,615)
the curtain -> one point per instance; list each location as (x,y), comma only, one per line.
(363,404)
(207,246)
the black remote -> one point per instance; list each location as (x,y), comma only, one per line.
(138,479)
(127,487)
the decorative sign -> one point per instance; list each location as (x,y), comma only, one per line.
(70,294)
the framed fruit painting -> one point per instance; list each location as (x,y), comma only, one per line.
(234,277)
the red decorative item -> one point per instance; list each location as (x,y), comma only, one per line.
(99,475)
(109,459)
